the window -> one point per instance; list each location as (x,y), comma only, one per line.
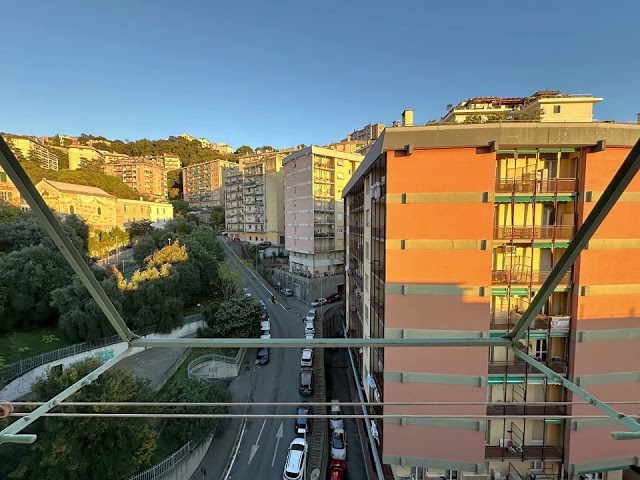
(72,209)
(536,465)
(541,349)
(556,109)
(3,177)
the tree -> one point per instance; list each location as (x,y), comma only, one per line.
(531,115)
(180,207)
(498,117)
(237,318)
(475,118)
(217,218)
(244,149)
(266,148)
(9,213)
(449,106)
(80,227)
(140,228)
(27,278)
(227,283)
(76,448)
(174,183)
(143,247)
(189,390)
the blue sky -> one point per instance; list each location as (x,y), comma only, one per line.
(285,72)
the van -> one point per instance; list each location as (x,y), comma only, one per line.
(306,381)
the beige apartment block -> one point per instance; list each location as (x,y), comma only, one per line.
(112,157)
(202,183)
(8,191)
(314,178)
(141,175)
(81,154)
(233,202)
(28,147)
(128,211)
(368,133)
(545,105)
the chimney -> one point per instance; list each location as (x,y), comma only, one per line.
(637,117)
(407,118)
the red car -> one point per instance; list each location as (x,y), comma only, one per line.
(338,470)
(334,297)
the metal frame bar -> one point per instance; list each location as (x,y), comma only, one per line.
(48,220)
(10,434)
(625,420)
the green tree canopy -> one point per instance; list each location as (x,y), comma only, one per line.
(85,448)
(237,318)
(217,218)
(140,228)
(244,149)
(180,207)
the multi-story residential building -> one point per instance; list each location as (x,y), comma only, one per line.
(451,230)
(142,175)
(112,157)
(128,211)
(170,162)
(33,147)
(224,148)
(203,183)
(314,178)
(368,133)
(545,106)
(79,155)
(254,198)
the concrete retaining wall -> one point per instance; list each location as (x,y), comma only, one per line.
(22,385)
(188,465)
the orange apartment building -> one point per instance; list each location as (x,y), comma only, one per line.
(450,231)
(203,183)
(146,177)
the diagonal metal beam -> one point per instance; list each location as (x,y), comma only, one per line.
(603,206)
(625,420)
(319,342)
(10,434)
(48,220)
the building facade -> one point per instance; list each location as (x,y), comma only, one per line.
(314,178)
(32,147)
(128,211)
(142,175)
(451,230)
(369,133)
(202,183)
(8,191)
(254,198)
(543,106)
(80,155)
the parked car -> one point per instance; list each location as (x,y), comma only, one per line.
(264,307)
(263,356)
(319,302)
(334,297)
(309,336)
(306,381)
(336,418)
(338,470)
(311,315)
(296,460)
(265,336)
(306,360)
(264,244)
(339,444)
(246,292)
(224,234)
(303,422)
(309,328)
(287,292)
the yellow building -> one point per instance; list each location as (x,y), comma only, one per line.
(79,155)
(166,160)
(128,211)
(112,157)
(224,148)
(543,106)
(28,147)
(202,183)
(8,191)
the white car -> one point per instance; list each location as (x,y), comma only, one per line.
(336,419)
(338,444)
(265,336)
(309,336)
(296,460)
(311,315)
(246,292)
(309,328)
(306,360)
(319,302)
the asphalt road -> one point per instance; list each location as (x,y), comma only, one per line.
(264,444)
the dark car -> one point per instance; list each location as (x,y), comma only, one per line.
(263,356)
(264,244)
(306,381)
(303,422)
(334,297)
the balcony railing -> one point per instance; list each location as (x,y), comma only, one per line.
(357,230)
(552,323)
(515,277)
(517,367)
(529,185)
(529,452)
(528,232)
(377,231)
(324,234)
(323,165)
(545,474)
(520,409)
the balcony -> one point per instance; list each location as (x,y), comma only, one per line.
(526,452)
(323,165)
(514,277)
(377,269)
(545,474)
(321,234)
(530,185)
(357,230)
(517,367)
(537,232)
(551,323)
(322,180)
(520,409)
(378,232)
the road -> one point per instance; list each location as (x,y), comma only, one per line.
(264,444)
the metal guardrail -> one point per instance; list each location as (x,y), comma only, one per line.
(231,365)
(167,464)
(19,368)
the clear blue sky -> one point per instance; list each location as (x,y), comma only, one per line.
(281,73)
